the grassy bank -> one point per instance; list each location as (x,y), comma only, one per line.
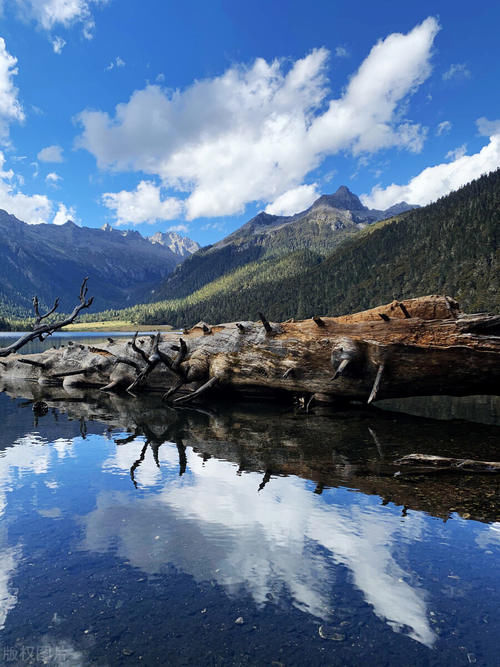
(115,325)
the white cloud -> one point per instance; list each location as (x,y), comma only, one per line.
(29,208)
(64,214)
(10,107)
(487,128)
(117,62)
(366,118)
(457,153)
(33,209)
(145,204)
(51,154)
(254,133)
(178,228)
(457,71)
(434,182)
(48,14)
(341,52)
(53,179)
(58,44)
(443,128)
(293,201)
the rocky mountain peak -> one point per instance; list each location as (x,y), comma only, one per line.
(343,198)
(180,245)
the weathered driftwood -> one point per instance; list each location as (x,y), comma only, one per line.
(42,331)
(416,347)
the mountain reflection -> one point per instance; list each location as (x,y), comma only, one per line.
(280,506)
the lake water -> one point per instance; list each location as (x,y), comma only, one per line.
(132,533)
(63,338)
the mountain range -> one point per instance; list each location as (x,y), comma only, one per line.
(449,247)
(337,256)
(322,227)
(51,260)
(125,268)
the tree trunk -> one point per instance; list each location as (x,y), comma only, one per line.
(415,347)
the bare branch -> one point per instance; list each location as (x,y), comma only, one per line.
(138,349)
(38,317)
(41,331)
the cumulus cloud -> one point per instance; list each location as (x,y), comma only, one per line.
(51,154)
(10,107)
(253,133)
(48,14)
(30,208)
(293,201)
(64,214)
(144,204)
(434,182)
(341,52)
(33,209)
(457,71)
(443,128)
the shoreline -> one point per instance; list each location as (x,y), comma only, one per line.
(114,326)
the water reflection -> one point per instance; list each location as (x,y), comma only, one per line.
(8,598)
(482,409)
(290,511)
(283,543)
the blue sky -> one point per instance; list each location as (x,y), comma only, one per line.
(196,115)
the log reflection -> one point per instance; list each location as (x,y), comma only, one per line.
(355,448)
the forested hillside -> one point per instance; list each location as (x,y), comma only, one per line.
(449,247)
(321,228)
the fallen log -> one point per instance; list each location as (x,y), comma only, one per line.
(425,347)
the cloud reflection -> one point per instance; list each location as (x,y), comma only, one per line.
(284,541)
(8,563)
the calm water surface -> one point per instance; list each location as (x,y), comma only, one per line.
(132,534)
(62,338)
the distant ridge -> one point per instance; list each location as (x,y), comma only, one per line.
(51,260)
